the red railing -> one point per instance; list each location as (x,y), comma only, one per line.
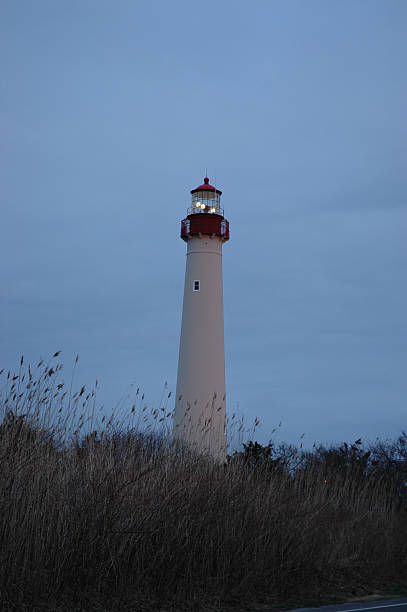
(205,223)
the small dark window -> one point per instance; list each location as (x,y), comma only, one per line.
(197,285)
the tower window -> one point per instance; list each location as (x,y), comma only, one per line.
(197,285)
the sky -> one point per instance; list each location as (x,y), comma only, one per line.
(112,111)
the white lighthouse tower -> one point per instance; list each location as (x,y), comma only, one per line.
(200,403)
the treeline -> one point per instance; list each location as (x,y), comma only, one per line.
(118,519)
(381,461)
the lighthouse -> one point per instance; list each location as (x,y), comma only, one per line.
(200,402)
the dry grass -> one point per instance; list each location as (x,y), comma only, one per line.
(136,523)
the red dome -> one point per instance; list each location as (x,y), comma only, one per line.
(206,187)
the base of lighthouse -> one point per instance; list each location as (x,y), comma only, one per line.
(200,404)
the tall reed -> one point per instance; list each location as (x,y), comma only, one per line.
(102,513)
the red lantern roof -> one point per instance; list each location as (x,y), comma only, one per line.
(206,187)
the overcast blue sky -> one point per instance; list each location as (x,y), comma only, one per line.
(110,112)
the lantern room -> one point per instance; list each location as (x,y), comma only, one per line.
(206,199)
(205,216)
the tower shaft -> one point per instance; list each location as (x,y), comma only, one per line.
(200,409)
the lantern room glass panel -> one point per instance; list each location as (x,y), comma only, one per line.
(206,202)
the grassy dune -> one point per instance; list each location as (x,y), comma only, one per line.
(117,520)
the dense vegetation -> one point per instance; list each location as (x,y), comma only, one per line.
(116,519)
